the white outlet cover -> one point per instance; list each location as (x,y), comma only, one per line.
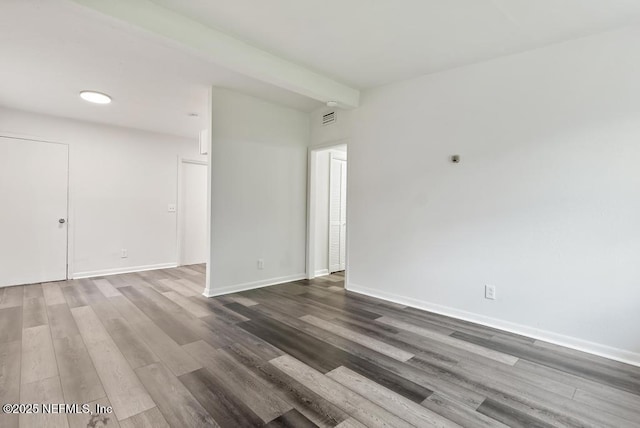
(172,208)
(490,292)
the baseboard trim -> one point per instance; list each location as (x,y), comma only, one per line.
(117,271)
(598,349)
(321,272)
(252,285)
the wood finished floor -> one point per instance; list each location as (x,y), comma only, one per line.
(301,354)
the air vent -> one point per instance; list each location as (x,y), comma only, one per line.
(329,118)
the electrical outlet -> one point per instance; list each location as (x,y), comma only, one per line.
(124,253)
(490,292)
(260,264)
(172,208)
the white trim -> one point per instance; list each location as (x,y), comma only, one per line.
(598,349)
(117,271)
(253,285)
(209,267)
(321,272)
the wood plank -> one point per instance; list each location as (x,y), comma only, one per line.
(106,288)
(526,398)
(94,419)
(61,321)
(134,349)
(587,369)
(263,400)
(11,297)
(360,408)
(630,413)
(33,291)
(171,354)
(52,293)
(462,415)
(307,402)
(451,341)
(408,410)
(38,356)
(34,312)
(323,356)
(169,318)
(74,296)
(243,300)
(173,285)
(175,402)
(189,305)
(124,390)
(10,356)
(385,370)
(227,409)
(509,416)
(43,391)
(151,418)
(10,324)
(80,382)
(350,423)
(291,419)
(367,341)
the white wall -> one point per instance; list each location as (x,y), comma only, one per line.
(258,199)
(121,182)
(336,133)
(545,204)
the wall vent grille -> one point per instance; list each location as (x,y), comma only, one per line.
(329,118)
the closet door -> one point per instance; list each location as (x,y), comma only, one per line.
(337,214)
(33,218)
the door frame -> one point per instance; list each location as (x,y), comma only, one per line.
(332,156)
(179,202)
(312,189)
(69,223)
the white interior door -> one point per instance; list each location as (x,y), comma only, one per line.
(337,213)
(193,213)
(33,211)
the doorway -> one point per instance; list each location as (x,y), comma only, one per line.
(327,220)
(192,212)
(34,183)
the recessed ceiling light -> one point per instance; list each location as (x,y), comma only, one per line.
(95,97)
(332,104)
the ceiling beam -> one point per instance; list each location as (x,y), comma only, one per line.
(225,50)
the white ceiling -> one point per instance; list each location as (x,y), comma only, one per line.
(366,43)
(52,49)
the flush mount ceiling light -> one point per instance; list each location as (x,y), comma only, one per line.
(95,97)
(332,104)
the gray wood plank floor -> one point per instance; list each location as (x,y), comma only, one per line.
(301,354)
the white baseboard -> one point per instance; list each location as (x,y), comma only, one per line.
(598,349)
(117,271)
(321,272)
(252,285)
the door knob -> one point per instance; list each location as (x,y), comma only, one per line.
(61,221)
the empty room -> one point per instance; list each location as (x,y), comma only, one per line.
(356,213)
